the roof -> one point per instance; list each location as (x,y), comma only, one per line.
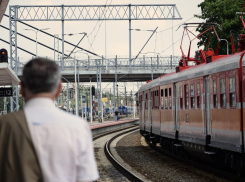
(3,6)
(219,65)
(7,75)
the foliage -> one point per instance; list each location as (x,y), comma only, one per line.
(222,12)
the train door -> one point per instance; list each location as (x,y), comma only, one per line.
(143,112)
(175,108)
(207,125)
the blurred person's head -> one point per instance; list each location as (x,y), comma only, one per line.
(41,78)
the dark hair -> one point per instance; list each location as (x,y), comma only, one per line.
(41,75)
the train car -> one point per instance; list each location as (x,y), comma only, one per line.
(199,109)
(122,109)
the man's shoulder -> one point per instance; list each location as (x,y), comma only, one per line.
(10,117)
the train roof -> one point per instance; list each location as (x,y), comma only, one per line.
(223,64)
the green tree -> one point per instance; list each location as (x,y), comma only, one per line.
(222,12)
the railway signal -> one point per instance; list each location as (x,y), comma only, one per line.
(93,90)
(3,56)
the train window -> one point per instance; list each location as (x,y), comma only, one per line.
(162,97)
(232,84)
(214,94)
(222,93)
(215,101)
(198,89)
(186,97)
(166,98)
(181,99)
(198,96)
(198,102)
(232,93)
(214,86)
(222,85)
(146,101)
(170,99)
(192,96)
(157,99)
(192,90)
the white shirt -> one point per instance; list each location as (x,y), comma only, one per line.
(63,142)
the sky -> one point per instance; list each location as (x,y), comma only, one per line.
(116,39)
(112,40)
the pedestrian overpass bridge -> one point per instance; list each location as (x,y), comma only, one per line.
(142,69)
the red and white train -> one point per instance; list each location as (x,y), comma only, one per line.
(199,109)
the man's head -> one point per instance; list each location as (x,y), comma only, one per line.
(41,78)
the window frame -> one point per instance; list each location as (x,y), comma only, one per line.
(232,92)
(192,97)
(181,96)
(215,98)
(221,94)
(166,98)
(186,94)
(198,95)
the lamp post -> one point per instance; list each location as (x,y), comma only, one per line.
(227,48)
(36,31)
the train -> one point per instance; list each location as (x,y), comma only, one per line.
(199,110)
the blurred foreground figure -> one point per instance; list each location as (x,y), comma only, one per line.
(42,143)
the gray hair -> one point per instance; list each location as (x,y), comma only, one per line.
(41,75)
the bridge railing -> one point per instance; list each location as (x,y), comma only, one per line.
(142,63)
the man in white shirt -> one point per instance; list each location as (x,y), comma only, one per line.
(62,142)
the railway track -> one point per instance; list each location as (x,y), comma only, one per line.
(131,176)
(128,174)
(208,168)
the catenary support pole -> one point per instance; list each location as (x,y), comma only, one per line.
(67,97)
(130,60)
(76,106)
(63,34)
(78,87)
(91,108)
(114,100)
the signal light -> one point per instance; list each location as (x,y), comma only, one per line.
(93,90)
(3,56)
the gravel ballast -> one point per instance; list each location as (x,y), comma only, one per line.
(156,166)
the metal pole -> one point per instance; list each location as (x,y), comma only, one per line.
(36,43)
(116,80)
(91,109)
(67,97)
(63,32)
(101,94)
(78,88)
(173,35)
(151,70)
(76,106)
(114,100)
(129,36)
(126,101)
(133,97)
(110,101)
(82,100)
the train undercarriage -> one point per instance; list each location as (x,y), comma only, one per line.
(224,159)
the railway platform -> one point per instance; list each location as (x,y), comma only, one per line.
(106,126)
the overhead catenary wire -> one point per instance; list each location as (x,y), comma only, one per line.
(104,12)
(58,38)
